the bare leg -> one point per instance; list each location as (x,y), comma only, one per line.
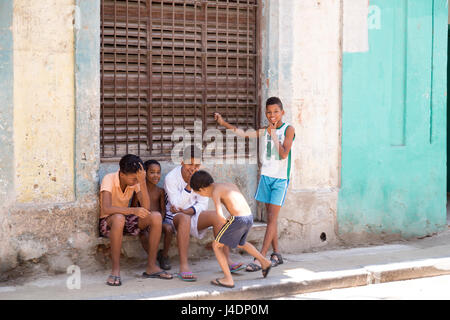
(116,223)
(222,260)
(271,235)
(143,237)
(168,234)
(154,221)
(250,249)
(208,219)
(182,224)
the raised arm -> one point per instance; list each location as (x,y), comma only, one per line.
(236,130)
(142,195)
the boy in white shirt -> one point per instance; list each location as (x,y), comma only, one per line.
(187,211)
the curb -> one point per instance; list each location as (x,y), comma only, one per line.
(306,282)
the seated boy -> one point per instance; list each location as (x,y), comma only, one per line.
(234,233)
(117,218)
(158,203)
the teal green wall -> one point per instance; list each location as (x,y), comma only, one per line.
(394,124)
(448,113)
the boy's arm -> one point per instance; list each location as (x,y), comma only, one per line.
(174,197)
(107,209)
(218,205)
(200,205)
(237,131)
(134,201)
(283,149)
(142,195)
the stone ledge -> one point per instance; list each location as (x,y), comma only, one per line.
(132,248)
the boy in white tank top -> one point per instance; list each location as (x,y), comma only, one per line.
(275,171)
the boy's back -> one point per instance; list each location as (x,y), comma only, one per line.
(229,195)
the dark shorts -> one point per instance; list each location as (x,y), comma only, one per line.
(130,228)
(235,231)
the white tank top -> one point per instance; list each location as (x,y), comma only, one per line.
(272,165)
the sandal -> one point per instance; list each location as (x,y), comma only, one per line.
(163,261)
(278,260)
(158,275)
(252,267)
(186,276)
(115,279)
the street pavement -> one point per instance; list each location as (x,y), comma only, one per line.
(428,288)
(301,273)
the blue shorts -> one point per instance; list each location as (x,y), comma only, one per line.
(272,190)
(235,231)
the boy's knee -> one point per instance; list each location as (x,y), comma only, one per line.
(184,220)
(166,228)
(155,218)
(118,220)
(217,245)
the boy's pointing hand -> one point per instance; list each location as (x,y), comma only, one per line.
(218,118)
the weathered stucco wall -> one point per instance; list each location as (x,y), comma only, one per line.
(302,53)
(44,100)
(48,219)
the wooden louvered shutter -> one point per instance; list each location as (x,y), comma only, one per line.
(166,64)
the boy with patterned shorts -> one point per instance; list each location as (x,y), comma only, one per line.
(234,233)
(117,218)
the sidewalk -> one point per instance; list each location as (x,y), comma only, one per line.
(300,273)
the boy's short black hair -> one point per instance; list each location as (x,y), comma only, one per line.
(148,163)
(130,163)
(191,152)
(201,179)
(274,100)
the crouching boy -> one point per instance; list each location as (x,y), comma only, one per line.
(234,233)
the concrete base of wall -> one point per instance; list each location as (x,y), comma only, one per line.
(49,238)
(307,221)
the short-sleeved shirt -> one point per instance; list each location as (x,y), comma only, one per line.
(111,183)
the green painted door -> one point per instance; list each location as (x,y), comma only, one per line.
(393,174)
(448,113)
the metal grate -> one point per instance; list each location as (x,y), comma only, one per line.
(165,64)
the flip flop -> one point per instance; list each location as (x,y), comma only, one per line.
(115,278)
(157,275)
(220,284)
(235,267)
(186,276)
(265,272)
